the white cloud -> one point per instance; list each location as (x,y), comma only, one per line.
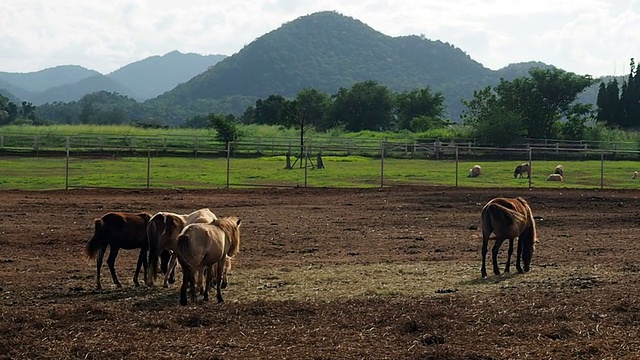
(588,36)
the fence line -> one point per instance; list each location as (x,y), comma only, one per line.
(383,152)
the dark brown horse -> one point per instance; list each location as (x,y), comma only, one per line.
(119,230)
(508,219)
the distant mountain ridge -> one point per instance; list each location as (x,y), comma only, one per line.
(140,80)
(146,77)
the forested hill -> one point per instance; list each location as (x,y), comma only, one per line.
(327,51)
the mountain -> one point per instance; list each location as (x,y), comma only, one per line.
(8,94)
(327,51)
(34,82)
(154,75)
(75,91)
(140,80)
(517,70)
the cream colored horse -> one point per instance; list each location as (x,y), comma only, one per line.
(163,230)
(203,246)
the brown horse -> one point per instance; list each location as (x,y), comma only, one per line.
(202,246)
(508,219)
(163,230)
(521,169)
(119,230)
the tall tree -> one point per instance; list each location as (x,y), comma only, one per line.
(307,110)
(270,110)
(365,106)
(419,107)
(538,101)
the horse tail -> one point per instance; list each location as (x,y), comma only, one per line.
(183,253)
(96,244)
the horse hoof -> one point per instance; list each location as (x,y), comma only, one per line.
(119,286)
(165,286)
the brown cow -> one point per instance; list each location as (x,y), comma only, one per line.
(119,230)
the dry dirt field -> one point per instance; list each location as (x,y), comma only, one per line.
(330,274)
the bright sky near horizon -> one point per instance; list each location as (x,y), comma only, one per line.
(594,37)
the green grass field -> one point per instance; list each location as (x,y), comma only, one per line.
(43,173)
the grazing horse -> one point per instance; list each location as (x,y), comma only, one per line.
(119,230)
(559,170)
(202,246)
(508,219)
(163,230)
(522,168)
(475,171)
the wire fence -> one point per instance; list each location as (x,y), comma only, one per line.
(244,164)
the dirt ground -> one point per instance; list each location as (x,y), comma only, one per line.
(330,274)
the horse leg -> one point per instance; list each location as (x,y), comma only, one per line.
(98,266)
(169,275)
(183,288)
(207,286)
(200,278)
(494,253)
(111,261)
(142,262)
(509,253)
(220,269)
(519,256)
(485,244)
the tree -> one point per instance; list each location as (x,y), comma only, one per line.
(574,128)
(493,123)
(226,128)
(197,122)
(537,102)
(365,106)
(270,110)
(419,107)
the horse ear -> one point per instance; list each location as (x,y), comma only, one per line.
(238,222)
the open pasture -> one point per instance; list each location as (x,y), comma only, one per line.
(162,172)
(328,274)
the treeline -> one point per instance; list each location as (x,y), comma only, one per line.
(11,113)
(540,105)
(619,105)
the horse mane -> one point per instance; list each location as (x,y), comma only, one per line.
(231,227)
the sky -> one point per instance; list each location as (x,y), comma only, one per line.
(593,37)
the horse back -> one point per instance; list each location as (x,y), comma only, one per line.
(124,230)
(201,216)
(163,229)
(201,244)
(505,217)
